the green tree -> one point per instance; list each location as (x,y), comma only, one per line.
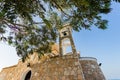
(32,25)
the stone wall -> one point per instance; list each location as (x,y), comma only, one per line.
(56,68)
(91,69)
(59,68)
(68,67)
(14,72)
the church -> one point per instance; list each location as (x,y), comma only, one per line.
(57,65)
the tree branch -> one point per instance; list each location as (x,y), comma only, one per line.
(61,9)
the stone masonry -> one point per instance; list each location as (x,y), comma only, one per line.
(56,68)
(91,69)
(59,68)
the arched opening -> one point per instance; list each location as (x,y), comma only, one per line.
(66,46)
(28,76)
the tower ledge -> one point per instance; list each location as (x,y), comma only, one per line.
(88,58)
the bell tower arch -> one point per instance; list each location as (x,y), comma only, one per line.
(65,40)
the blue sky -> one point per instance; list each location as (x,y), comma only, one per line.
(101,44)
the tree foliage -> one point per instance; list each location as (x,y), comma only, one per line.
(32,25)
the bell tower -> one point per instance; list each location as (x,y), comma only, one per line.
(65,40)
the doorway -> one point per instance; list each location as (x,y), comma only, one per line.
(28,75)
